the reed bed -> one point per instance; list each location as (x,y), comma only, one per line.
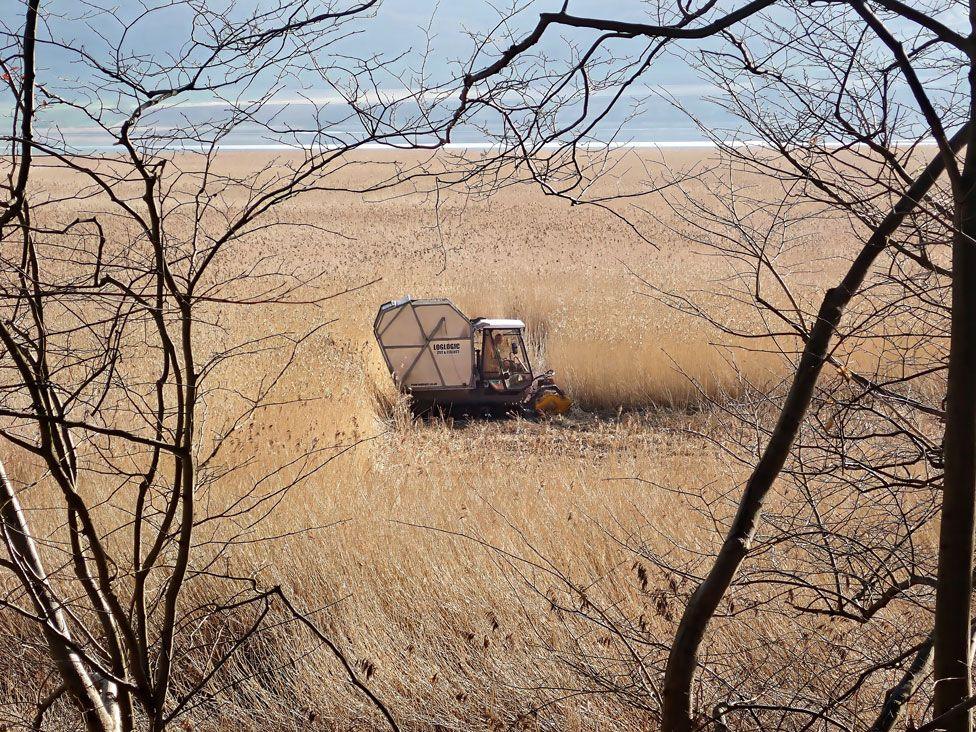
(406,540)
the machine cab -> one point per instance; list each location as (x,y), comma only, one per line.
(502,361)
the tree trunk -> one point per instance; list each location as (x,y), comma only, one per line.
(23,555)
(953,604)
(899,695)
(683,659)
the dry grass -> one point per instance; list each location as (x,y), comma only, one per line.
(458,637)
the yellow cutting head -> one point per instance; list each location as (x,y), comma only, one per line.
(552,403)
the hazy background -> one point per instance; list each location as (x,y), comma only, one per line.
(410,44)
(398,33)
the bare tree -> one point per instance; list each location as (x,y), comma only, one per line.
(843,99)
(119,532)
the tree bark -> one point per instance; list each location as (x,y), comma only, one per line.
(953,604)
(81,686)
(899,695)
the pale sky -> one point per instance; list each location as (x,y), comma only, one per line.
(396,30)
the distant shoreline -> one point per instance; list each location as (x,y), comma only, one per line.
(460,146)
(373,146)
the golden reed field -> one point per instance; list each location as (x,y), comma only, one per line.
(434,549)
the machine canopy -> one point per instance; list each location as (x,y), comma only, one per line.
(499,323)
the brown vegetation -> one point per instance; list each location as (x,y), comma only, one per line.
(444,557)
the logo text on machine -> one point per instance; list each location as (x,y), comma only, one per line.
(446,349)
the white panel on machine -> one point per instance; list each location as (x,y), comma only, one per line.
(427,344)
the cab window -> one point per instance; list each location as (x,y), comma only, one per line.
(503,354)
